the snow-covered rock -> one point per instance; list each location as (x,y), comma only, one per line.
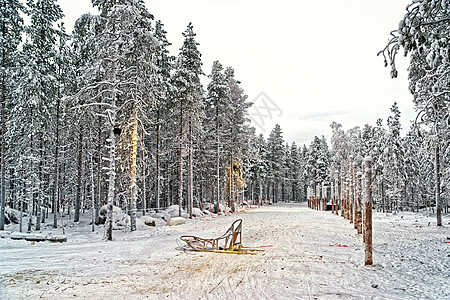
(12,216)
(149,221)
(104,211)
(120,219)
(176,221)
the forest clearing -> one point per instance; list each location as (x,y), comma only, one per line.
(312,255)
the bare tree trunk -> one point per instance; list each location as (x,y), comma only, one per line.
(80,170)
(99,170)
(92,194)
(56,180)
(39,184)
(112,173)
(232,204)
(133,173)
(350,188)
(217,159)
(368,259)
(158,179)
(180,188)
(2,156)
(190,171)
(144,177)
(438,185)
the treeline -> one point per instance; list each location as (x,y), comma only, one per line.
(403,175)
(107,115)
(411,172)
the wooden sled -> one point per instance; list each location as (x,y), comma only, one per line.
(230,242)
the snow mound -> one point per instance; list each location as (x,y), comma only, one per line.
(36,237)
(176,221)
(197,212)
(173,211)
(160,215)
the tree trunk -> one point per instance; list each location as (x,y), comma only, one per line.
(144,177)
(180,188)
(368,259)
(133,173)
(112,174)
(39,184)
(438,185)
(99,170)
(79,175)
(190,171)
(92,194)
(231,185)
(56,174)
(2,156)
(158,180)
(217,159)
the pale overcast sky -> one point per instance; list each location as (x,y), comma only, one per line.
(311,62)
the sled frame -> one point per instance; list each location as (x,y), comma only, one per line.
(229,242)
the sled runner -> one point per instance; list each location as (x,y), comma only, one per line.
(230,242)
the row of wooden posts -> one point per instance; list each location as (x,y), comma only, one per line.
(353,198)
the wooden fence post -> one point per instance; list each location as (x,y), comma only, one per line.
(336,192)
(351,188)
(317,197)
(368,259)
(333,197)
(359,202)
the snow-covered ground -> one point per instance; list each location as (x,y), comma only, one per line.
(411,256)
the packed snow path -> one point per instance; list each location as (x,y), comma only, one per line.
(412,261)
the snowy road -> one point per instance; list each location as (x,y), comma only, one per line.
(412,261)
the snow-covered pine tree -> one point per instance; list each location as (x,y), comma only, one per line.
(393,157)
(317,162)
(163,107)
(378,144)
(64,70)
(236,145)
(275,158)
(139,48)
(121,47)
(417,166)
(218,108)
(11,28)
(260,168)
(294,173)
(32,114)
(423,34)
(339,150)
(189,95)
